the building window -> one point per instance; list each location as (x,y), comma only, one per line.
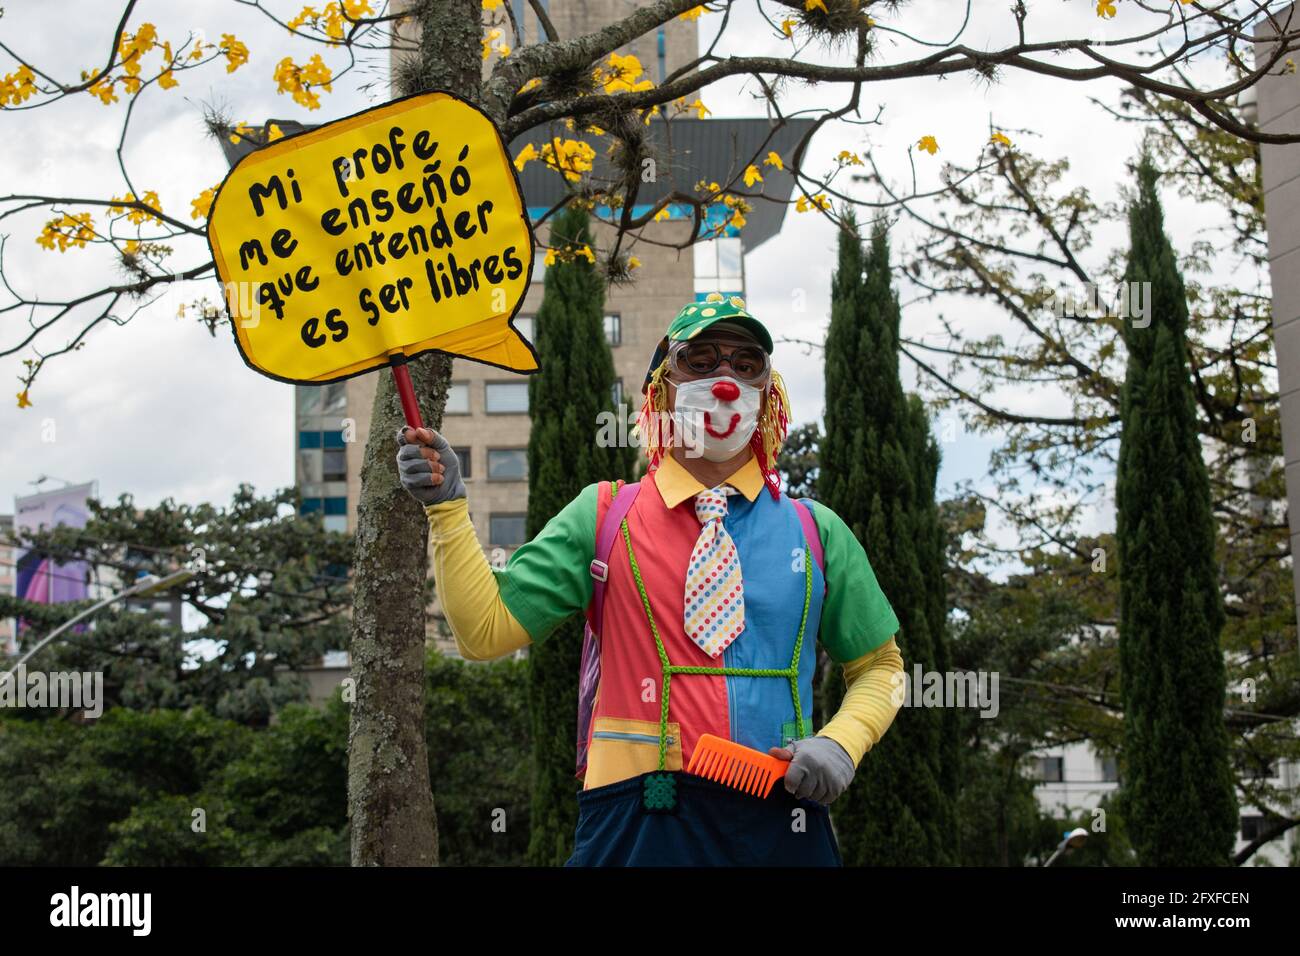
(1109,769)
(527,326)
(335,522)
(507,397)
(1262,771)
(457,399)
(1251,827)
(463,456)
(310,466)
(506,530)
(719,267)
(1049,769)
(616,392)
(315,439)
(335,466)
(614,329)
(508,464)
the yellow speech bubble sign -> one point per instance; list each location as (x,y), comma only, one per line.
(396,231)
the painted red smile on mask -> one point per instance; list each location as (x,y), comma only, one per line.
(735,420)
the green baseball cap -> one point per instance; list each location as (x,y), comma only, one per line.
(695,317)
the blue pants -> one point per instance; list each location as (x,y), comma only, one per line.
(712,825)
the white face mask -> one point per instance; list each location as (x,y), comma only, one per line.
(713,427)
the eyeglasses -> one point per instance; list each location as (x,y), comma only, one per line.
(694,360)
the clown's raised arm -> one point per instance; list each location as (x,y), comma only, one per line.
(493,612)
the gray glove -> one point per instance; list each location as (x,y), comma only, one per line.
(820,770)
(429,482)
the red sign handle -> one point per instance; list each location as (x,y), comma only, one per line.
(406,392)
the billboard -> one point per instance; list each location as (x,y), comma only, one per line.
(40,577)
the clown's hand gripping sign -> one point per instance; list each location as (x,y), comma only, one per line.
(373,239)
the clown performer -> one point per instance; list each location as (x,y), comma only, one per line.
(706,590)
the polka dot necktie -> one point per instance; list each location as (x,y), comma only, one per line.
(715,602)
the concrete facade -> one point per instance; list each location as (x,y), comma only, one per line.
(1278,106)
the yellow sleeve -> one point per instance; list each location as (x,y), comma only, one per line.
(873,695)
(483,626)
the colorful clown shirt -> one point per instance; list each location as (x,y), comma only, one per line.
(791,604)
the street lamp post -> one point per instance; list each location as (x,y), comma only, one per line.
(1073,840)
(148,584)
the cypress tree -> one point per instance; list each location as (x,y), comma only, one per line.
(564,399)
(1177,791)
(879,465)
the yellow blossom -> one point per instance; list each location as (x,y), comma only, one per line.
(491,4)
(299,81)
(273,132)
(132,47)
(307,15)
(67,230)
(787,27)
(23,400)
(1001,138)
(810,5)
(202,204)
(633,262)
(773,160)
(847,158)
(700,109)
(692,14)
(241,132)
(526,156)
(804,203)
(586,251)
(103,88)
(1106,9)
(624,75)
(929,144)
(662,214)
(752,175)
(17,86)
(550,257)
(571,157)
(235,52)
(137,216)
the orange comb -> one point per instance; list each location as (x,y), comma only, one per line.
(735,765)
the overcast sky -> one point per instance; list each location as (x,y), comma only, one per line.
(160,409)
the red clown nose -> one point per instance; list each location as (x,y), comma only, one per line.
(727,391)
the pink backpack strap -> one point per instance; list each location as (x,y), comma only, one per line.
(803,507)
(607,531)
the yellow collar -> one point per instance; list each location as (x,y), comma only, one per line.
(676,484)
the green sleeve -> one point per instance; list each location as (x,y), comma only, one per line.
(548,579)
(856,616)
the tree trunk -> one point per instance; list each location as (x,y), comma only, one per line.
(390,801)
